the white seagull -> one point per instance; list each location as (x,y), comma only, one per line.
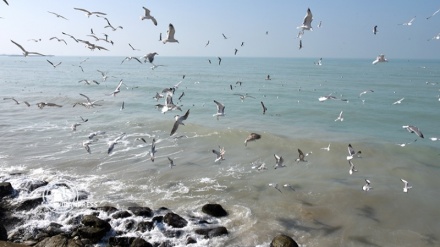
(352,153)
(220,154)
(148,16)
(274,185)
(220,109)
(399,101)
(327,148)
(170,36)
(413,129)
(149,57)
(179,121)
(380,58)
(427,18)
(117,89)
(405,186)
(307,22)
(367,185)
(340,118)
(111,144)
(26,53)
(53,65)
(278,161)
(352,168)
(366,91)
(409,23)
(57,15)
(59,40)
(89,13)
(171,162)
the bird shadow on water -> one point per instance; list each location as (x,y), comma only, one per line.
(319,226)
(368,212)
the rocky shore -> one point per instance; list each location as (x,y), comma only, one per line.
(25,222)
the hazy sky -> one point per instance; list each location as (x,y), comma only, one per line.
(346,30)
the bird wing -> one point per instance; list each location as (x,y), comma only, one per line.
(175,126)
(49,62)
(84,10)
(350,150)
(19,46)
(308,19)
(186,115)
(220,106)
(88,99)
(171,31)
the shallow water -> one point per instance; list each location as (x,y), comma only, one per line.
(327,207)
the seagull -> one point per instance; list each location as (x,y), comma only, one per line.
(53,65)
(435,139)
(319,62)
(171,162)
(352,168)
(93,134)
(220,109)
(103,74)
(352,153)
(367,185)
(149,57)
(405,186)
(133,47)
(84,120)
(6,2)
(407,143)
(207,44)
(59,40)
(327,148)
(158,96)
(70,36)
(242,44)
(264,107)
(364,92)
(427,18)
(252,137)
(26,53)
(375,30)
(171,32)
(301,156)
(117,89)
(259,167)
(122,106)
(89,13)
(340,118)
(275,186)
(319,24)
(413,129)
(16,101)
(148,16)
(307,22)
(86,144)
(110,26)
(288,186)
(278,161)
(437,37)
(408,23)
(41,105)
(268,77)
(220,154)
(35,40)
(88,82)
(219,60)
(399,101)
(57,15)
(224,36)
(244,96)
(111,144)
(300,44)
(73,126)
(130,58)
(380,58)
(179,121)
(152,150)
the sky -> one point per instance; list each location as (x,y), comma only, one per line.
(346,30)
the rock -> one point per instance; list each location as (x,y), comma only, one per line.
(6,189)
(175,220)
(3,233)
(283,241)
(128,242)
(145,226)
(157,219)
(212,232)
(60,241)
(215,210)
(9,244)
(30,204)
(129,224)
(141,211)
(139,242)
(121,214)
(107,209)
(94,228)
(172,233)
(33,185)
(190,240)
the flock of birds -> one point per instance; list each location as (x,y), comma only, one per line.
(168,93)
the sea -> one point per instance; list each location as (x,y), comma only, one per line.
(317,202)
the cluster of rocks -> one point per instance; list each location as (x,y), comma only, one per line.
(95,226)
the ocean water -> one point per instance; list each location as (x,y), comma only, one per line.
(326,207)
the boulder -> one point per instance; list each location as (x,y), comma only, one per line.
(128,242)
(121,214)
(94,228)
(215,210)
(60,241)
(139,242)
(283,241)
(6,189)
(29,204)
(175,220)
(145,226)
(212,232)
(141,211)
(107,209)
(32,185)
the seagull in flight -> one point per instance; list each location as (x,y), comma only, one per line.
(111,144)
(220,154)
(327,148)
(149,57)
(57,15)
(301,156)
(307,22)
(53,65)
(89,13)
(352,168)
(110,25)
(399,101)
(275,186)
(219,60)
(375,30)
(364,92)
(367,185)
(264,107)
(352,153)
(278,161)
(26,53)
(170,37)
(171,162)
(380,58)
(224,36)
(220,110)
(413,129)
(152,150)
(133,47)
(252,137)
(148,16)
(179,121)
(409,23)
(340,118)
(59,40)
(407,143)
(405,185)
(427,18)
(117,89)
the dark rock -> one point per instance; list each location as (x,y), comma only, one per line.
(94,228)
(212,232)
(107,209)
(283,241)
(121,214)
(82,195)
(120,241)
(3,233)
(145,226)
(33,185)
(190,240)
(60,241)
(215,210)
(139,242)
(30,204)
(167,243)
(175,220)
(157,219)
(6,189)
(141,211)
(129,224)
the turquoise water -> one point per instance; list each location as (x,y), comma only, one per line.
(328,206)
